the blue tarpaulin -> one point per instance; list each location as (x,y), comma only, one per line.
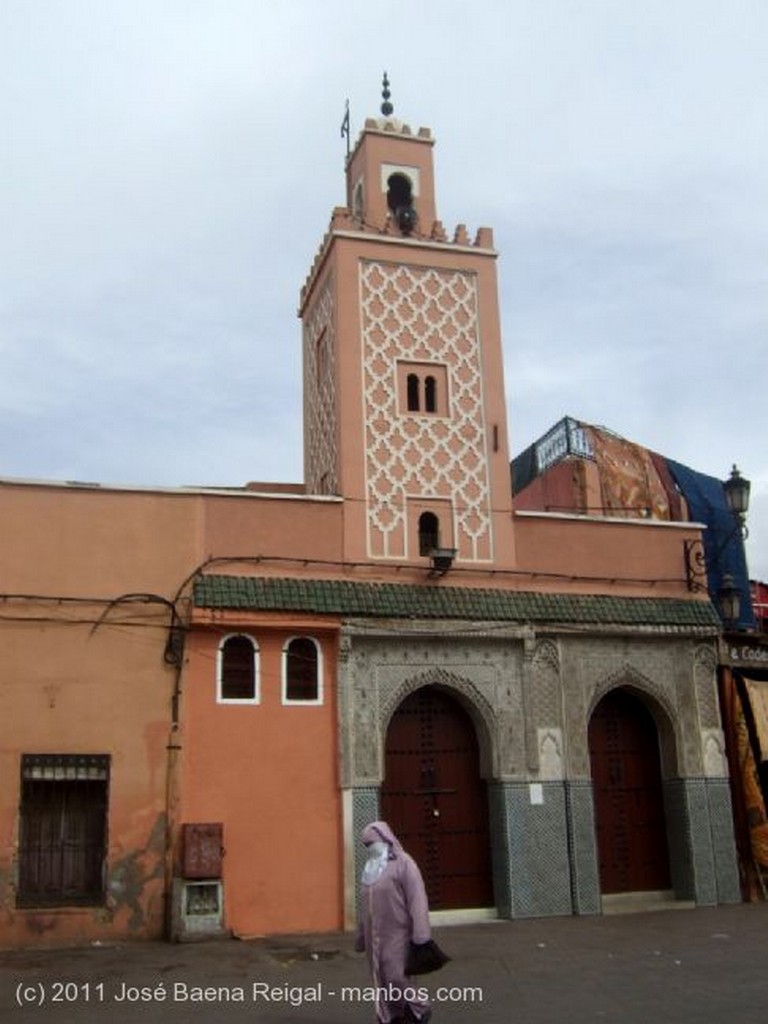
(723,544)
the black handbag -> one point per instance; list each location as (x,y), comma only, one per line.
(424,958)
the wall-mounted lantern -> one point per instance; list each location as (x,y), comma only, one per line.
(441,560)
(737,495)
(730,601)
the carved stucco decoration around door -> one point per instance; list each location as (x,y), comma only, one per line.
(467,694)
(661,704)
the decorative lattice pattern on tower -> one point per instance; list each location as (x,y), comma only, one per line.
(424,315)
(320,448)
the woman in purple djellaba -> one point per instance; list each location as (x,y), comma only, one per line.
(393,913)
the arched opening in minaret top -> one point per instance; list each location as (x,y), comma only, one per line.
(399,191)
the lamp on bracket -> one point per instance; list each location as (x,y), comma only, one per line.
(441,560)
(730,600)
(737,495)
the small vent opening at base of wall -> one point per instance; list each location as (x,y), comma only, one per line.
(202,899)
(198,909)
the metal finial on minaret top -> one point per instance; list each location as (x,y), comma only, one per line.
(386,106)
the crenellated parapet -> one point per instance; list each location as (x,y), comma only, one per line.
(393,126)
(344,222)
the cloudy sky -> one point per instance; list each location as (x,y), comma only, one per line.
(168,168)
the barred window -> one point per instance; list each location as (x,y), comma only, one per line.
(63,829)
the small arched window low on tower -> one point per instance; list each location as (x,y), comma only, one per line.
(237,670)
(429,533)
(302,671)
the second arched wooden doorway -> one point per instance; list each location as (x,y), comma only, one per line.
(630,819)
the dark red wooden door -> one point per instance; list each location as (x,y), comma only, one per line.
(435,800)
(629,802)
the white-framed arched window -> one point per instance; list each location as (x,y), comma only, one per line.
(237,670)
(302,671)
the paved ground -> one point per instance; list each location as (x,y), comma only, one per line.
(704,966)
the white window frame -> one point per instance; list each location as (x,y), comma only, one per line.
(320,688)
(256,699)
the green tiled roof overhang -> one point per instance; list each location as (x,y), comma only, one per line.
(404,601)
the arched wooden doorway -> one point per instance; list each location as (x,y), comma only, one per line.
(435,799)
(631,827)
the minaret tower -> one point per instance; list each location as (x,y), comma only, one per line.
(404,410)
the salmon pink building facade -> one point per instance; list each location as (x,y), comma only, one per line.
(196,681)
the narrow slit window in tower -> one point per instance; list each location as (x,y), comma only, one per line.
(413,392)
(430,394)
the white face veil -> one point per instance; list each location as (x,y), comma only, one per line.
(378,858)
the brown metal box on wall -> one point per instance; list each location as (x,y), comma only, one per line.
(202,849)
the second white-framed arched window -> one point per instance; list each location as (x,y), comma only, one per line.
(237,670)
(302,671)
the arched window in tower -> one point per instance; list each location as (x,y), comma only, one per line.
(430,394)
(400,201)
(321,358)
(399,191)
(357,202)
(429,533)
(413,392)
(422,389)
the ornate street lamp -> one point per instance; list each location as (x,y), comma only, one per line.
(730,600)
(737,495)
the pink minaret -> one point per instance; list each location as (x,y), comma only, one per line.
(404,407)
